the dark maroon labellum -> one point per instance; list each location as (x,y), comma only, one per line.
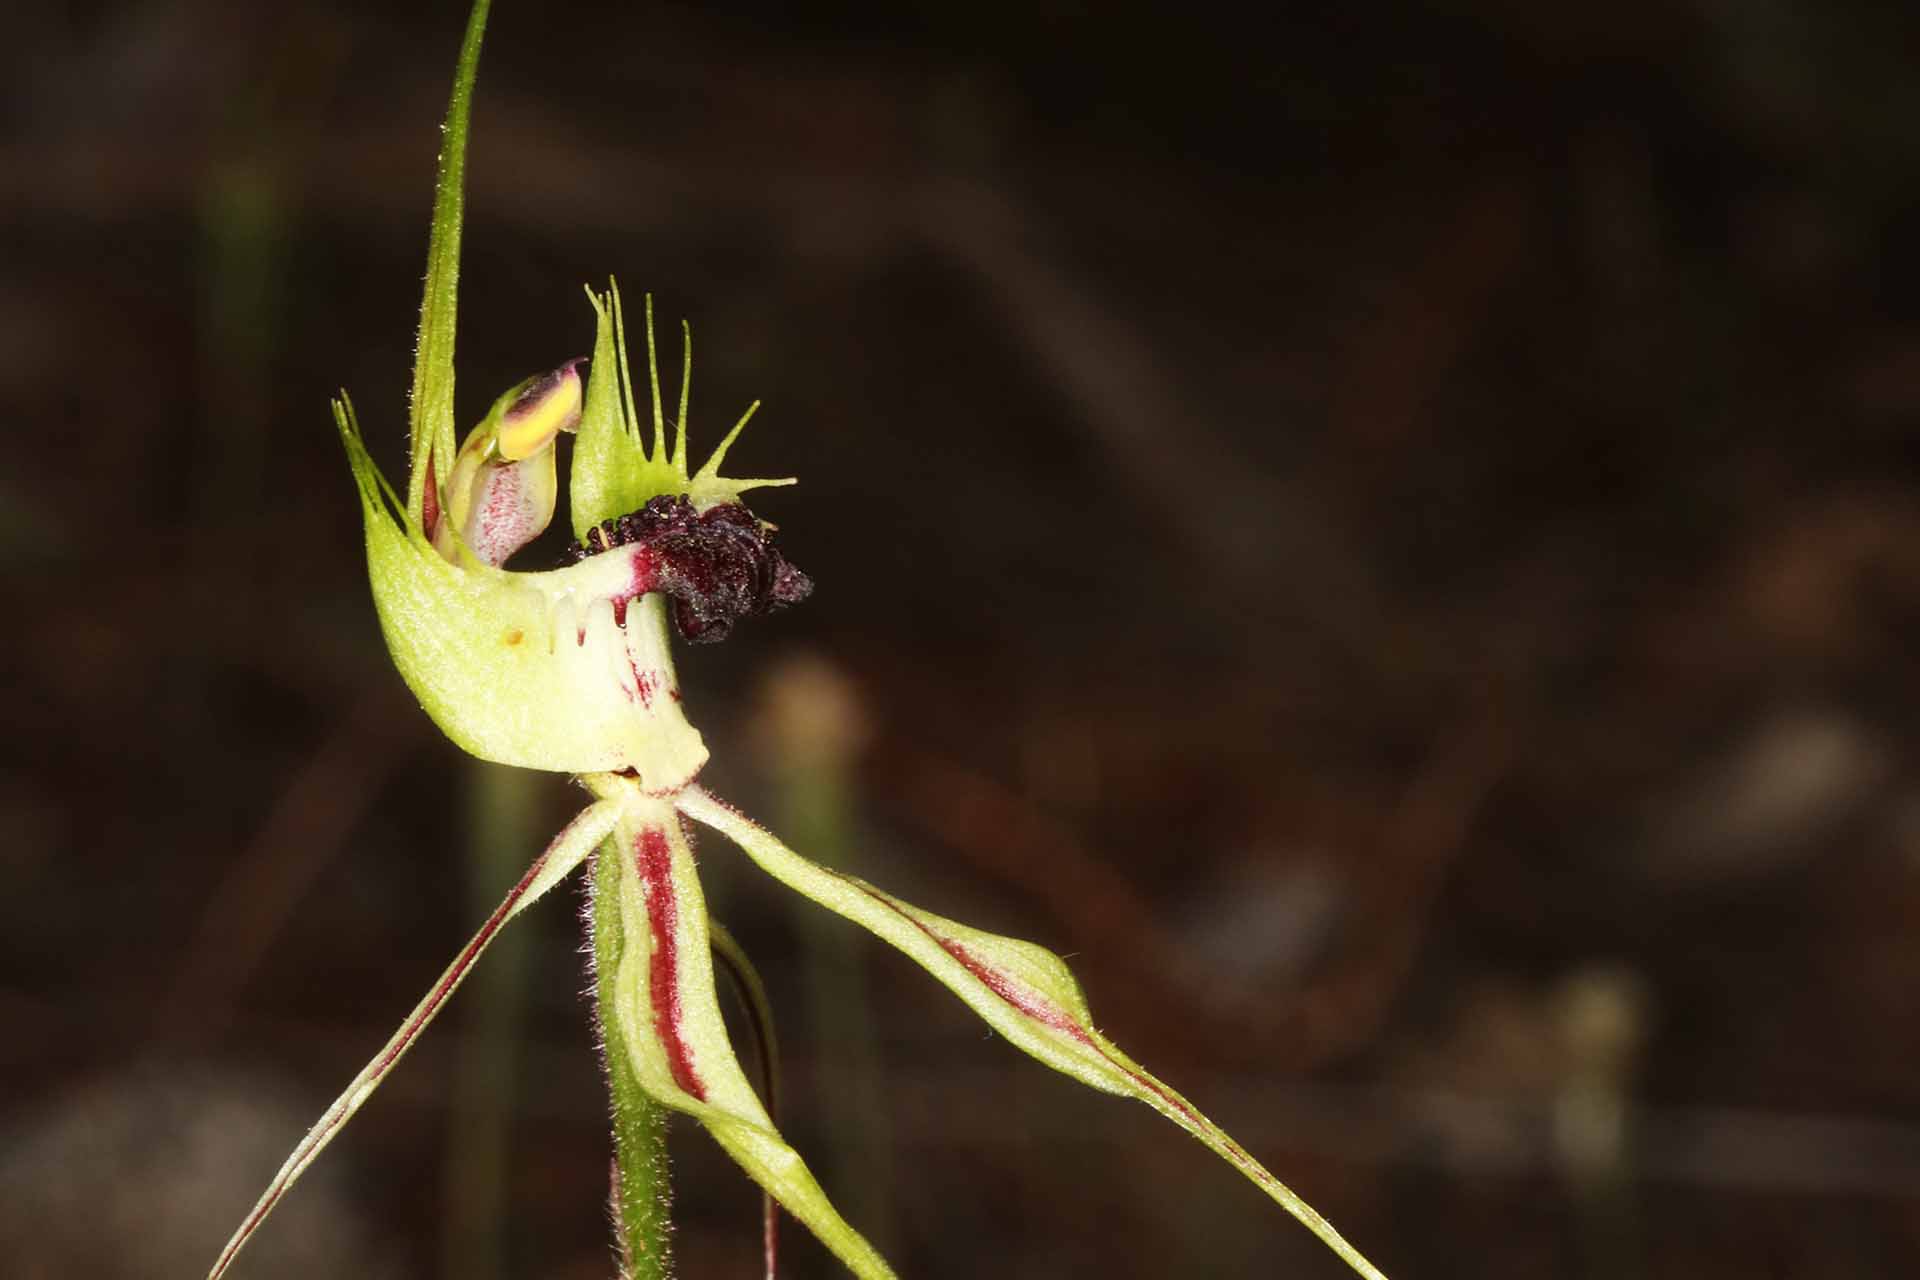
(717,566)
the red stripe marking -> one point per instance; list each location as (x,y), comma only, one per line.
(645,683)
(646,572)
(430,501)
(645,568)
(995,980)
(1048,1014)
(1002,984)
(654,856)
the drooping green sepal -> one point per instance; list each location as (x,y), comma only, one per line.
(568,671)
(1023,991)
(667,1015)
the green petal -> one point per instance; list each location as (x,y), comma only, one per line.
(565,853)
(669,1022)
(538,670)
(1025,992)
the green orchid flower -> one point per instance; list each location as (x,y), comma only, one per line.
(571,670)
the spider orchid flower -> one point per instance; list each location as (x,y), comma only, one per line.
(571,671)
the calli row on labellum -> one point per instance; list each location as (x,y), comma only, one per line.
(570,670)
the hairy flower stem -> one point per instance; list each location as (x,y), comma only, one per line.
(642,1186)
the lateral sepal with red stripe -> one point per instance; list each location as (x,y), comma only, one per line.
(668,1014)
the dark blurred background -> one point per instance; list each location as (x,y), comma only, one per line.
(1386,532)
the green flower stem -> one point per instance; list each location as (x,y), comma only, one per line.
(643,1190)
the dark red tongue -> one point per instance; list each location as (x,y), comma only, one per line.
(717,567)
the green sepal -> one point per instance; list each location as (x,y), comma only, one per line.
(1025,992)
(527,669)
(675,1041)
(431,419)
